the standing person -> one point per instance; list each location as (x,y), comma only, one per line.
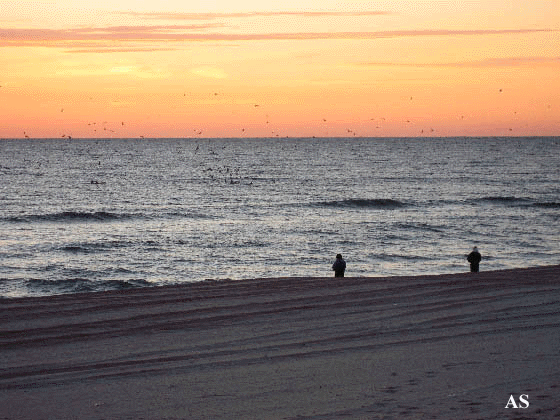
(339,266)
(474,258)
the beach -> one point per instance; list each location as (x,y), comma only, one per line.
(450,346)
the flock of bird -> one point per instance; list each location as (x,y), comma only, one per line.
(379,124)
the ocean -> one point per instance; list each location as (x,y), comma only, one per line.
(83,215)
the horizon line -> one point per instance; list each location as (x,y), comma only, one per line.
(280,138)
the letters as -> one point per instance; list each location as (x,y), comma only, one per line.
(523,402)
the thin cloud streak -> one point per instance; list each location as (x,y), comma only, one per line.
(53,37)
(112,33)
(490,62)
(212,16)
(119,50)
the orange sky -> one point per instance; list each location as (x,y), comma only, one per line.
(307,68)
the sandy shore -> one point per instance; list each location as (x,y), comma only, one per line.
(427,347)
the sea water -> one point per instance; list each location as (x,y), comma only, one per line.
(99,214)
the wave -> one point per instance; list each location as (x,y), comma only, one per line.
(548,205)
(504,200)
(92,247)
(380,203)
(402,257)
(96,216)
(69,216)
(81,285)
(518,202)
(421,227)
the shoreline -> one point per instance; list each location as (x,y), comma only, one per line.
(498,272)
(429,346)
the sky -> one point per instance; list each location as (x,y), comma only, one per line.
(324,68)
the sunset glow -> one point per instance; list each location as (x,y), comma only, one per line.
(89,69)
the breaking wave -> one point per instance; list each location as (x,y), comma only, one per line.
(69,216)
(81,285)
(517,202)
(504,200)
(548,205)
(364,203)
(96,216)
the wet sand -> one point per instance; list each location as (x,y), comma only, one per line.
(427,347)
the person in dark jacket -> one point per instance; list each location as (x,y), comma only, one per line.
(339,266)
(474,259)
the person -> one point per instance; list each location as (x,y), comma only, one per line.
(339,266)
(474,259)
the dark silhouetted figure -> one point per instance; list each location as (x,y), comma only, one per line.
(474,259)
(339,266)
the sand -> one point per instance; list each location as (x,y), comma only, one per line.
(427,347)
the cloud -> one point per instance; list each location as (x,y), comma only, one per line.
(366,34)
(97,38)
(212,16)
(100,49)
(489,62)
(99,34)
